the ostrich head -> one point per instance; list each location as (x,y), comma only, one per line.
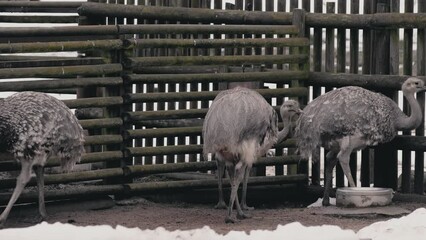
(289,109)
(413,85)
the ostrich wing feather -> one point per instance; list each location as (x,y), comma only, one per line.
(38,124)
(237,115)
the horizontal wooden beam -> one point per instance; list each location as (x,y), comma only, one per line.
(210,95)
(101,123)
(11,32)
(367,21)
(112,44)
(218,43)
(184,14)
(94,102)
(378,82)
(140,62)
(61,72)
(270,77)
(207,29)
(38,19)
(59,83)
(33,6)
(206,183)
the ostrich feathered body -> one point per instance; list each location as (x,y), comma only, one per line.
(34,126)
(343,112)
(239,122)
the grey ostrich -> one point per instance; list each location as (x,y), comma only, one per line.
(351,118)
(33,127)
(290,112)
(239,127)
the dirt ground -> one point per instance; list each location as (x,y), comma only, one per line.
(138,212)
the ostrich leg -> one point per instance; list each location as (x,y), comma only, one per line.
(39,171)
(244,192)
(331,162)
(236,175)
(21,181)
(220,171)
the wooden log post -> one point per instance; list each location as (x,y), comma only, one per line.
(420,131)
(316,90)
(353,68)
(91,91)
(407,70)
(367,173)
(385,171)
(329,58)
(341,68)
(299,21)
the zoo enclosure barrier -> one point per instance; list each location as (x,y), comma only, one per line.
(115,133)
(108,69)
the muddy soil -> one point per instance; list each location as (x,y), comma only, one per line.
(144,214)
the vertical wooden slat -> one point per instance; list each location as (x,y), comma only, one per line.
(353,68)
(205,85)
(299,21)
(279,168)
(257,7)
(384,154)
(329,55)
(139,89)
(269,7)
(340,68)
(407,70)
(149,88)
(329,42)
(182,104)
(248,7)
(393,70)
(421,71)
(316,91)
(292,169)
(193,87)
(92,91)
(366,155)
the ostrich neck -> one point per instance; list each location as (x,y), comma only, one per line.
(284,133)
(415,118)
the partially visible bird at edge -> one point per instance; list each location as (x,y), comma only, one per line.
(33,127)
(351,118)
(240,127)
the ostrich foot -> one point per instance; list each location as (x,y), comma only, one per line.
(229,219)
(243,216)
(245,207)
(326,202)
(2,222)
(40,219)
(220,205)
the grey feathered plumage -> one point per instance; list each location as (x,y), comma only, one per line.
(237,115)
(239,127)
(343,112)
(33,127)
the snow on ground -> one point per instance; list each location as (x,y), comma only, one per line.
(412,226)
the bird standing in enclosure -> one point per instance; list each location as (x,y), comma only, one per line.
(33,127)
(239,127)
(351,118)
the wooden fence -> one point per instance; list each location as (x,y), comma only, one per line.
(108,69)
(144,76)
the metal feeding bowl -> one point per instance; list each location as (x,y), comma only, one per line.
(363,196)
